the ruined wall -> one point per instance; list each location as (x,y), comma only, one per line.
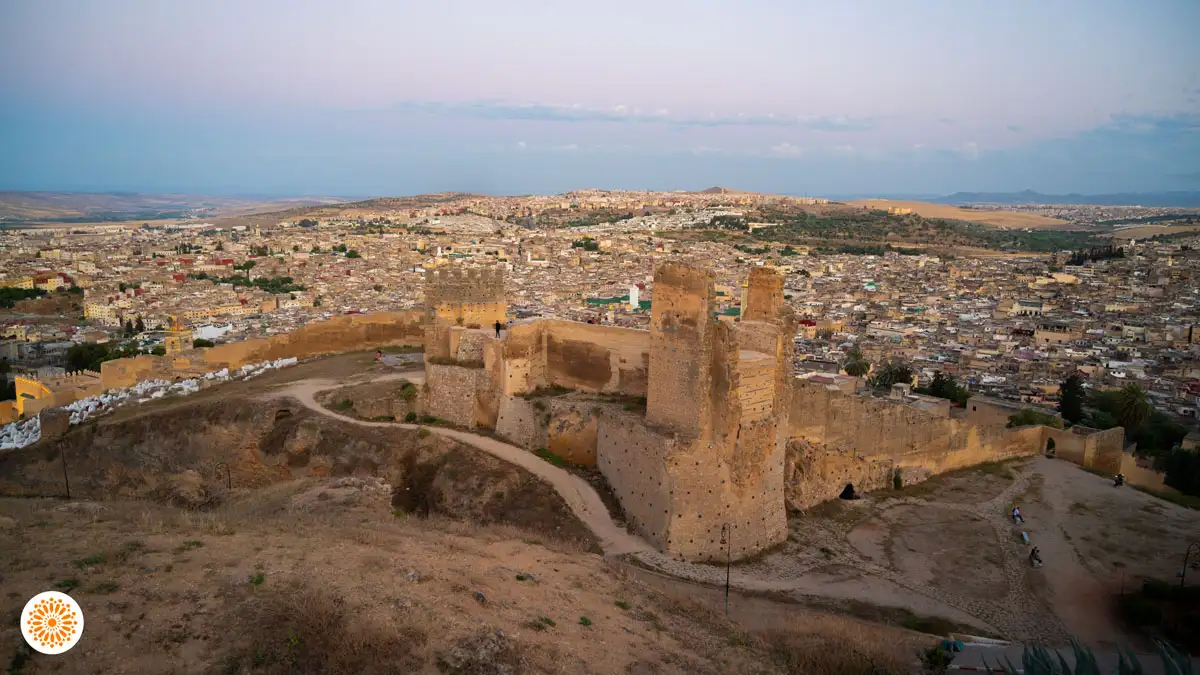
(633,458)
(596,358)
(847,438)
(575,355)
(764,294)
(522,422)
(340,334)
(681,326)
(1089,448)
(524,358)
(461,296)
(8,412)
(459,395)
(573,430)
(120,373)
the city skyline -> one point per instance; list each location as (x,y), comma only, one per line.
(372,98)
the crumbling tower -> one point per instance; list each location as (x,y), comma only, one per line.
(719,392)
(456,295)
(681,334)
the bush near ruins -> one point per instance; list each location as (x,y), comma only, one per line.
(1029,417)
(892,372)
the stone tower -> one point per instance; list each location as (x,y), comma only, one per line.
(681,334)
(718,392)
(456,295)
(178,338)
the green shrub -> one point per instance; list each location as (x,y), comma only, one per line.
(410,417)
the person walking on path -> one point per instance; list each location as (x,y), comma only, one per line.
(1016,515)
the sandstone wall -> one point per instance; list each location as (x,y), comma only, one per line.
(523,423)
(573,429)
(681,326)
(459,395)
(340,334)
(847,438)
(576,355)
(633,458)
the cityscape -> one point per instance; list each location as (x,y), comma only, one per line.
(650,339)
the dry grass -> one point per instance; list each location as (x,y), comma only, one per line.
(1001,219)
(298,627)
(858,654)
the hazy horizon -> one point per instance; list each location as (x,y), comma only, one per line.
(367,97)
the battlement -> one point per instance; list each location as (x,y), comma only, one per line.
(462,284)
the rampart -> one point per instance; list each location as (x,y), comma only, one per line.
(339,334)
(456,295)
(840,438)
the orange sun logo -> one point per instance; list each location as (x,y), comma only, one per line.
(52,622)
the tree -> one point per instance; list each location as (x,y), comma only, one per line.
(158,350)
(296,248)
(201,342)
(1070,398)
(944,386)
(352,254)
(825,334)
(892,372)
(128,328)
(219,247)
(378,288)
(316,249)
(1133,408)
(86,356)
(855,364)
(1030,417)
(139,326)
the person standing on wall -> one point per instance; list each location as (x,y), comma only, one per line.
(498,327)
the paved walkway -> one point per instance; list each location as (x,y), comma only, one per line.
(576,492)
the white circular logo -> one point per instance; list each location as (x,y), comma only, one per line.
(52,622)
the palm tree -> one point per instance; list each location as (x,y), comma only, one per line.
(855,365)
(1133,408)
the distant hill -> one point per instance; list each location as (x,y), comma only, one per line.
(1176,198)
(721,191)
(77,207)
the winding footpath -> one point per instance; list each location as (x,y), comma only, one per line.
(580,497)
(1019,614)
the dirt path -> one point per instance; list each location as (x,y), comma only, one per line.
(579,496)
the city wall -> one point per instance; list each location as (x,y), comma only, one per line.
(457,296)
(340,334)
(587,357)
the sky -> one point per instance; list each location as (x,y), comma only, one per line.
(391,97)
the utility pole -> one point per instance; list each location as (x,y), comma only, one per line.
(62,455)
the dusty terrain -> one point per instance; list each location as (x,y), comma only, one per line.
(944,555)
(1146,231)
(1001,219)
(319,576)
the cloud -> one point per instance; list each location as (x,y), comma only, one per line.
(1015,128)
(521,145)
(970,150)
(786,150)
(499,110)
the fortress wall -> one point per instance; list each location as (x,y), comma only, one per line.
(522,423)
(596,358)
(120,373)
(524,358)
(1068,445)
(840,438)
(706,495)
(681,326)
(633,458)
(1107,450)
(459,395)
(764,295)
(573,430)
(340,334)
